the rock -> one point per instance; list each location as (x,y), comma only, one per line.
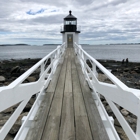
(118,106)
(2,79)
(1,85)
(137,70)
(27,107)
(14,129)
(102,98)
(114,70)
(31,79)
(17,124)
(126,70)
(131,120)
(116,122)
(108,109)
(32,100)
(124,112)
(15,69)
(8,110)
(121,133)
(2,122)
(105,103)
(6,83)
(101,77)
(9,137)
(133,126)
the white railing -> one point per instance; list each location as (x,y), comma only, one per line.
(19,92)
(117,92)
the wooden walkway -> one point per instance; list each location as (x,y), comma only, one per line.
(68,111)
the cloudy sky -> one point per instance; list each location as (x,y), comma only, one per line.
(39,21)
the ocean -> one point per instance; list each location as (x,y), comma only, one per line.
(107,52)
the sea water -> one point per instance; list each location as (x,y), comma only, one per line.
(110,52)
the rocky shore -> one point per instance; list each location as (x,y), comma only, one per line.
(127,72)
(9,71)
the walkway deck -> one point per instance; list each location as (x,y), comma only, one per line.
(68,111)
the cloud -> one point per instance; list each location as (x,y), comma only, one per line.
(32,12)
(100,21)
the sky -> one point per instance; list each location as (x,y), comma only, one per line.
(38,22)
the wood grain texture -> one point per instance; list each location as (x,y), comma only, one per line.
(36,131)
(68,111)
(67,130)
(51,131)
(83,131)
(96,124)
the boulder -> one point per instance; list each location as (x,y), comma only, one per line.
(27,107)
(9,137)
(105,103)
(14,129)
(124,112)
(2,122)
(108,109)
(2,79)
(133,126)
(8,110)
(102,98)
(15,69)
(31,79)
(131,120)
(17,124)
(32,100)
(121,133)
(116,122)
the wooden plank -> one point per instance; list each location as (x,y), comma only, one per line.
(96,124)
(79,105)
(68,83)
(67,130)
(83,131)
(53,83)
(35,133)
(51,131)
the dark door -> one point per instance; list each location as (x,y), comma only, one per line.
(70,40)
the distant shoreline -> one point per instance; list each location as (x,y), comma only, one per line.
(60,44)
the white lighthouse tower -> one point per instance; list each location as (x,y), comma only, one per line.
(69,31)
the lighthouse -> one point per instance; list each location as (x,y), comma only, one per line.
(69,32)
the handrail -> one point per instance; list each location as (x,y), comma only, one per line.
(15,92)
(117,92)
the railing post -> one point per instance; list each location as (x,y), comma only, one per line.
(42,69)
(94,69)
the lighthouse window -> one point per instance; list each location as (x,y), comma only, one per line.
(70,22)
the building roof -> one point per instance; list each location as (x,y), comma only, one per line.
(70,16)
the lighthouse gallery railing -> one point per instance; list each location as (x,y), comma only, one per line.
(19,92)
(117,92)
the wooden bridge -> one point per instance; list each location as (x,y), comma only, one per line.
(68,105)
(68,111)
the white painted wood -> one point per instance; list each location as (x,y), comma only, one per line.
(117,92)
(6,128)
(129,132)
(17,92)
(138,128)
